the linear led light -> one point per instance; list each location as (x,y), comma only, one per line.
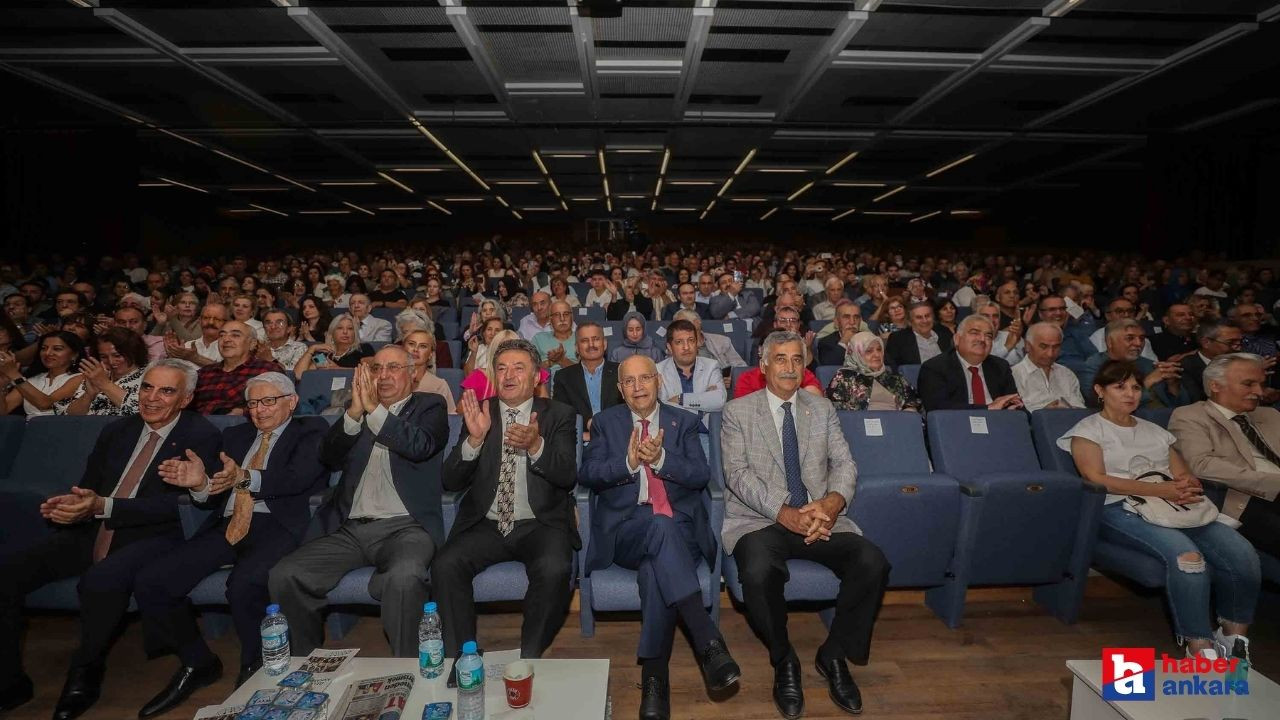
(841,162)
(448,153)
(966,212)
(244,211)
(540,208)
(324,212)
(267,209)
(710,205)
(703,216)
(813,209)
(257,188)
(803,189)
(396,182)
(1058,8)
(183,185)
(538,159)
(606,187)
(568,155)
(501,200)
(725,186)
(518,215)
(666,158)
(176,136)
(585,199)
(858,184)
(439,207)
(400,208)
(353,206)
(635,151)
(564,205)
(766,215)
(246,163)
(631,197)
(600,157)
(295,182)
(885,212)
(464,199)
(654,204)
(951,164)
(748,199)
(680,209)
(554,188)
(692,182)
(351,183)
(657,189)
(745,161)
(517,182)
(608,204)
(417,169)
(894,191)
(153,184)
(846,213)
(926,216)
(781,170)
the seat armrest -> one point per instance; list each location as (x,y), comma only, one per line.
(583,497)
(191,516)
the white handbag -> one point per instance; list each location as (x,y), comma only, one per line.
(1158,511)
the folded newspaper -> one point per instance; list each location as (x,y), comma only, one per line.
(380,698)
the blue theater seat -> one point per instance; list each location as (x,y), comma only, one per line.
(825,374)
(911,373)
(12,428)
(315,389)
(452,376)
(1019,524)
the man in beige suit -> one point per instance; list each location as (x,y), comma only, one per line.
(1229,439)
(790,480)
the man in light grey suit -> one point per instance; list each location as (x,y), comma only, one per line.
(730,302)
(790,480)
(1230,439)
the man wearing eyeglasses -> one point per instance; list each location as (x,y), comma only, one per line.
(385,511)
(259,494)
(1212,339)
(648,476)
(280,345)
(1120,309)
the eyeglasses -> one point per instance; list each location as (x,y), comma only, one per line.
(377,368)
(266,401)
(634,380)
(1233,344)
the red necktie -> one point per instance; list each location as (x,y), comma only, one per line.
(975,384)
(657,491)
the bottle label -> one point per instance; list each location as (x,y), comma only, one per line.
(431,653)
(275,642)
(470,679)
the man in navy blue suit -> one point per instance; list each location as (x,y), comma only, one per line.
(259,495)
(648,475)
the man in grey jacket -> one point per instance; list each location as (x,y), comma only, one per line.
(790,479)
(716,347)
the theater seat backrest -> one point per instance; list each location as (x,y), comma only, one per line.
(968,443)
(452,376)
(316,388)
(53,453)
(222,422)
(1049,425)
(885,443)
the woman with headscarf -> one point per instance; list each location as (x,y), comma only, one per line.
(866,383)
(635,341)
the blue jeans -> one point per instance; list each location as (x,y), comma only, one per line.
(1231,568)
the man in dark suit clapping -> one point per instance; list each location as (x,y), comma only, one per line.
(968,377)
(259,495)
(117,519)
(516,460)
(648,475)
(385,511)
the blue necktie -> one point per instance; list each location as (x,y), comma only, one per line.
(791,459)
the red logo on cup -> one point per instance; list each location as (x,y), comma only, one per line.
(518,677)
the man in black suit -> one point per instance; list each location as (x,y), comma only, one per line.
(919,343)
(831,349)
(687,295)
(272,467)
(1213,339)
(385,511)
(517,462)
(590,385)
(968,377)
(648,477)
(118,518)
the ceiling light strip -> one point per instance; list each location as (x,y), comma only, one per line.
(885,212)
(803,189)
(183,185)
(396,182)
(841,162)
(447,152)
(846,213)
(953,163)
(439,207)
(894,191)
(767,214)
(745,161)
(353,206)
(296,183)
(267,209)
(926,216)
(400,208)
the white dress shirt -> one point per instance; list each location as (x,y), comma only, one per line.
(163,432)
(653,419)
(209,352)
(968,380)
(1099,340)
(1039,390)
(520,504)
(376,495)
(529,326)
(255,476)
(928,346)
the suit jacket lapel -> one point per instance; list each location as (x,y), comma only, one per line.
(1243,446)
(803,423)
(772,441)
(578,381)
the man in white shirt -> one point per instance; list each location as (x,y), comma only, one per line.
(690,381)
(599,294)
(826,310)
(1120,309)
(539,319)
(1041,381)
(368,328)
(203,350)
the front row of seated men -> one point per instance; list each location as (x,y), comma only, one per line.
(788,471)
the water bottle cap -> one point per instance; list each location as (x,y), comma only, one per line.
(273,609)
(469,647)
(429,607)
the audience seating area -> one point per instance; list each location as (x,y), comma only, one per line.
(972,498)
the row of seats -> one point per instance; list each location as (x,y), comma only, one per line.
(944,526)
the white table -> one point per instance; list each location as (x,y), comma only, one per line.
(562,689)
(1262,702)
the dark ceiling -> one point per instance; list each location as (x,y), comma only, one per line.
(872,111)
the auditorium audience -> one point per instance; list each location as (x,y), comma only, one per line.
(689,380)
(1162,383)
(591,384)
(203,350)
(1120,309)
(339,350)
(947,316)
(134,320)
(833,289)
(635,341)
(110,381)
(1135,461)
(1231,438)
(1007,345)
(481,380)
(220,387)
(244,308)
(833,341)
(53,377)
(381,514)
(712,345)
(539,318)
(1212,339)
(557,346)
(478,345)
(280,344)
(891,316)
(969,377)
(924,340)
(369,329)
(730,302)
(1178,334)
(314,318)
(866,382)
(421,346)
(688,299)
(1041,381)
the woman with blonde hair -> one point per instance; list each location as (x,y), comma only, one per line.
(481,379)
(341,349)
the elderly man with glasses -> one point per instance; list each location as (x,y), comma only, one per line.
(259,494)
(1212,340)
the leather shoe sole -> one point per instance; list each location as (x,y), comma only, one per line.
(831,692)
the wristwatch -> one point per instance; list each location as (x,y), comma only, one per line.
(245,479)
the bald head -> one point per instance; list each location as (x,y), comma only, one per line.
(236,342)
(639,383)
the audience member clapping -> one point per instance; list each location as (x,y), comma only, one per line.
(111,381)
(53,376)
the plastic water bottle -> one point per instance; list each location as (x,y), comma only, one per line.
(470,683)
(275,641)
(430,643)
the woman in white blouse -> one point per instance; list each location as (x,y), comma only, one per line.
(1113,448)
(55,378)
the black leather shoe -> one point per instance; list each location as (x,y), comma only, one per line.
(19,692)
(184,682)
(788,695)
(843,690)
(81,691)
(246,672)
(655,699)
(719,671)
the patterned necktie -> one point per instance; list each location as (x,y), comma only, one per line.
(242,501)
(791,459)
(132,477)
(1256,439)
(975,385)
(507,483)
(657,491)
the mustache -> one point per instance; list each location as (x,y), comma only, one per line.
(788,376)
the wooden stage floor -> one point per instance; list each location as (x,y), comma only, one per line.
(1007,661)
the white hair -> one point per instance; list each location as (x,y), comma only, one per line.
(1216,370)
(187,369)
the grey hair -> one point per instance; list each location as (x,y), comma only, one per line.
(520,345)
(498,308)
(776,338)
(980,301)
(1211,330)
(689,315)
(279,381)
(187,369)
(1216,370)
(971,319)
(409,320)
(1117,327)
(587,324)
(1041,327)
